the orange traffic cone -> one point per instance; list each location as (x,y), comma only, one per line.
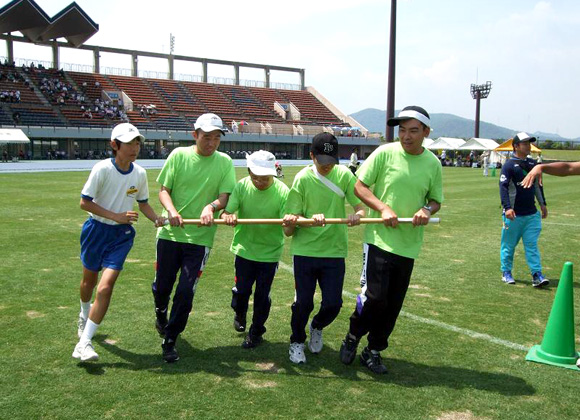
(557,347)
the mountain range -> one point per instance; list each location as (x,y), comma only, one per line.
(449,125)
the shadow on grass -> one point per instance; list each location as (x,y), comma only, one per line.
(409,374)
(271,358)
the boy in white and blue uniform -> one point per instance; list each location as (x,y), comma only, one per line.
(521,219)
(107,236)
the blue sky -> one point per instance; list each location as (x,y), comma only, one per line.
(528,49)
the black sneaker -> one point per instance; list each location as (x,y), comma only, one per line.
(373,361)
(170,354)
(161,321)
(240,322)
(348,349)
(252,341)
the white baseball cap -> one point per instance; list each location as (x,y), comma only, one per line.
(262,163)
(209,122)
(126,133)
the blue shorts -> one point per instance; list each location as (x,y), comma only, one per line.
(105,246)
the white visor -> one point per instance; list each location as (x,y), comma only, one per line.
(414,114)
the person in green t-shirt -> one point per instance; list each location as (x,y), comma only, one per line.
(406,182)
(257,247)
(319,251)
(195,182)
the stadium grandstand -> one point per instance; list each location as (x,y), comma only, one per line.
(67,110)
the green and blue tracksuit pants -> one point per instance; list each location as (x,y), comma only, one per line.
(527,228)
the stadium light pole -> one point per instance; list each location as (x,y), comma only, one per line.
(479,92)
(389,131)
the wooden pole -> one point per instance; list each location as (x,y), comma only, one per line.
(303,221)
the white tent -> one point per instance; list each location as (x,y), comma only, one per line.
(427,142)
(446,143)
(12,135)
(479,144)
(487,145)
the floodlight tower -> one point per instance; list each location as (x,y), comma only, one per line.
(479,92)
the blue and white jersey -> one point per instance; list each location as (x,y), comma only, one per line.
(513,195)
(115,190)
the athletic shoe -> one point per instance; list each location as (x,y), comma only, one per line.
(170,354)
(85,352)
(315,343)
(538,280)
(252,341)
(240,322)
(373,361)
(348,349)
(81,324)
(508,278)
(160,321)
(297,353)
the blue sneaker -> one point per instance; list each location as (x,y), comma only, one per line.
(508,278)
(538,280)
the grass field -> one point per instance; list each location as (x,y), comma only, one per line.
(438,367)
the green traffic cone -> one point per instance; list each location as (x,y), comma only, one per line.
(557,347)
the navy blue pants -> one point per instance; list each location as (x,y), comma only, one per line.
(384,281)
(329,273)
(249,272)
(172,257)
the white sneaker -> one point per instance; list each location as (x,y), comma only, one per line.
(297,353)
(315,343)
(85,352)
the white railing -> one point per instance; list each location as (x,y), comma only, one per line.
(151,74)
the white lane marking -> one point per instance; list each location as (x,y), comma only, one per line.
(449,327)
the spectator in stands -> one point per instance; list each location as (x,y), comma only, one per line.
(195,183)
(4,155)
(16,117)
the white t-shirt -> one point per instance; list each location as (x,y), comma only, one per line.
(115,190)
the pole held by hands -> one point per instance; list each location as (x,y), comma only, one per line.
(306,222)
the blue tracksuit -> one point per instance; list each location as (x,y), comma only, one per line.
(527,224)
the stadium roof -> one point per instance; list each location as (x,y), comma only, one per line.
(25,16)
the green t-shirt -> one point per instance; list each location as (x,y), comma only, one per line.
(195,181)
(263,243)
(309,196)
(405,183)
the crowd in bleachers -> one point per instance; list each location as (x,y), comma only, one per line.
(12,96)
(77,99)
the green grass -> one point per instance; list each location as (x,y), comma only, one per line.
(561,154)
(434,372)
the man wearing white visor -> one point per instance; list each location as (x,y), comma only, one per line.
(257,247)
(400,179)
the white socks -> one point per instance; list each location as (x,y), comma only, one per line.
(89,332)
(85,309)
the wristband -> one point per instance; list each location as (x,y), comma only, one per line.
(213,206)
(428,208)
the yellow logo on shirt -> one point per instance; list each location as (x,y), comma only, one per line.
(132,191)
